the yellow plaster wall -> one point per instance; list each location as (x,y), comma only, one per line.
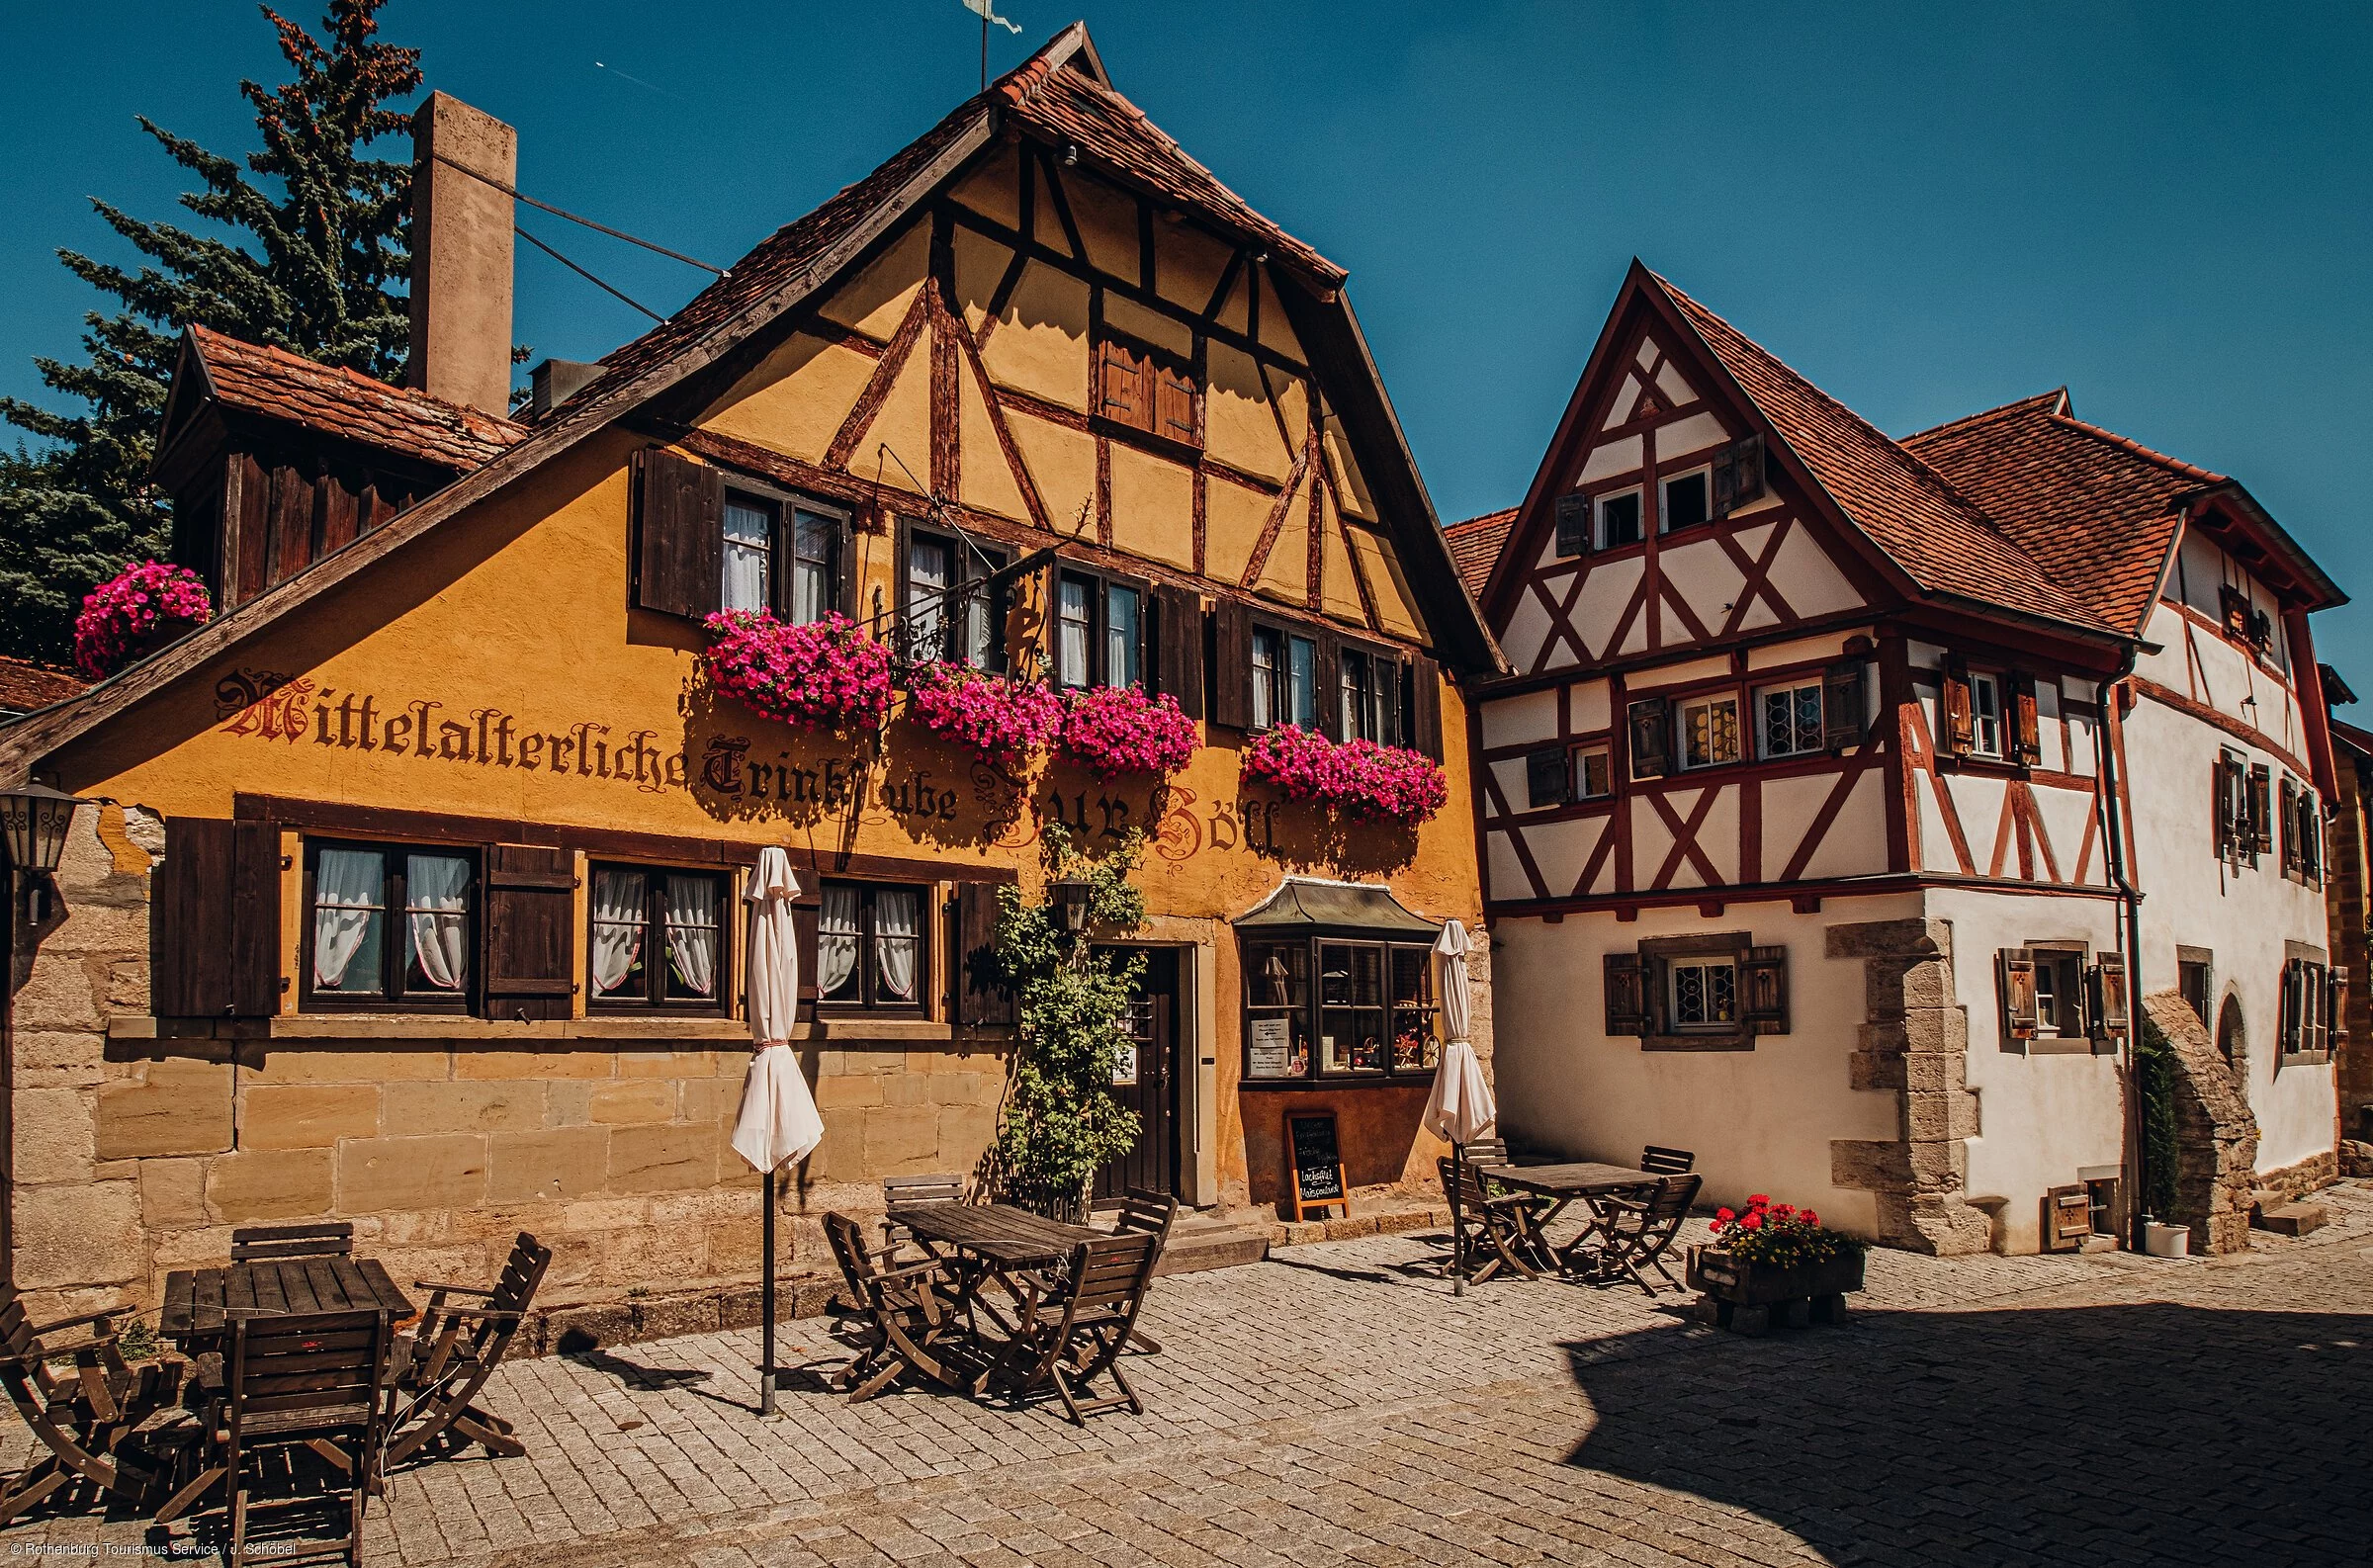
(994,190)
(1125,314)
(1237,427)
(1233,518)
(1108,222)
(904,425)
(1153,508)
(988,477)
(1041,345)
(795,399)
(1188,262)
(980,262)
(876,299)
(1339,593)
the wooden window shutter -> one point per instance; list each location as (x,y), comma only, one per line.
(1329,679)
(2026,744)
(254,920)
(1960,732)
(1763,980)
(1573,524)
(2294,864)
(2112,1002)
(1122,390)
(530,941)
(2311,835)
(1650,727)
(680,535)
(1546,777)
(2287,1029)
(1626,993)
(1174,405)
(845,570)
(1232,665)
(1738,474)
(2336,1022)
(804,911)
(189,908)
(1425,706)
(1842,705)
(1179,648)
(980,999)
(2261,808)
(2014,969)
(2318,990)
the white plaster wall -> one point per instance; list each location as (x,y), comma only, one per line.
(2243,916)
(2220,674)
(1760,1120)
(2042,1115)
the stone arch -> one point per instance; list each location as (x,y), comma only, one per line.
(2216,1133)
(2233,1035)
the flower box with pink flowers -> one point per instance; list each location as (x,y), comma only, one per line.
(1772,1259)
(1360,779)
(1115,730)
(824,674)
(997,718)
(135,613)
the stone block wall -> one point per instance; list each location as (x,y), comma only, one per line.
(1914,1044)
(135,1153)
(2216,1133)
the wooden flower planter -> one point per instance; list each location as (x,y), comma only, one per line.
(1747,1298)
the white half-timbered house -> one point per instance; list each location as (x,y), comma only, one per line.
(1845,789)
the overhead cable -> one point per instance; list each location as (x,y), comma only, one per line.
(582,273)
(614,234)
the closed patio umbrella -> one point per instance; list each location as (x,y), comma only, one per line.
(778,1121)
(1460,1105)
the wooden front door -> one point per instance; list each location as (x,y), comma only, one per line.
(1148,1083)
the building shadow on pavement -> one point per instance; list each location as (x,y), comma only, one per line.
(2150,1433)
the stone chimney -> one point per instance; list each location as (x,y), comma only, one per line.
(460,349)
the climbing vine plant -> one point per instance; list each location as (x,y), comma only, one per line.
(1061,1123)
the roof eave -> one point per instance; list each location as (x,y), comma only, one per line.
(2325,594)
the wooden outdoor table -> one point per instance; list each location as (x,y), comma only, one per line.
(993,1243)
(199,1303)
(1586,1181)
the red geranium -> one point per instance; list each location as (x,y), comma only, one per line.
(1778,1234)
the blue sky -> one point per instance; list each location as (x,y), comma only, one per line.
(1927,210)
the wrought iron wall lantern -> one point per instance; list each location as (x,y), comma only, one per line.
(33,821)
(1071,896)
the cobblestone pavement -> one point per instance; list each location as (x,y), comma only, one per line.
(1337,1405)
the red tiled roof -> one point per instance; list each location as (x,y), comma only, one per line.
(1053,94)
(1940,539)
(26,687)
(335,402)
(1476,543)
(2097,510)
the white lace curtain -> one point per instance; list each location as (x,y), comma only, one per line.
(1071,648)
(749,540)
(895,915)
(811,585)
(437,914)
(692,927)
(617,910)
(348,885)
(836,936)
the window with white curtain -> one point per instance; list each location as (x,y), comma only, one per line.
(658,938)
(1099,631)
(389,925)
(872,950)
(780,557)
(955,616)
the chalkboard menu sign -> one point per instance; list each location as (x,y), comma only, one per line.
(1317,1163)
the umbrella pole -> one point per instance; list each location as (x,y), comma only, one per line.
(1457,1229)
(767,1305)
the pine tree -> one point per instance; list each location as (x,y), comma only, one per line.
(308,269)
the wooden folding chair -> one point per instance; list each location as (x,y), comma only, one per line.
(1486,1151)
(899,1193)
(271,1243)
(1660,1160)
(1637,1231)
(905,1315)
(1068,1339)
(82,1414)
(1496,1229)
(1146,1213)
(437,1373)
(309,1381)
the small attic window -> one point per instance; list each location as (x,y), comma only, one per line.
(1619,520)
(1686,499)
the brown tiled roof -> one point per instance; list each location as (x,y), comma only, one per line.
(1475,545)
(2099,512)
(1935,533)
(278,385)
(1067,105)
(26,687)
(1055,93)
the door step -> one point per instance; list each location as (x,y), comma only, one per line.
(2291,1219)
(1195,1247)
